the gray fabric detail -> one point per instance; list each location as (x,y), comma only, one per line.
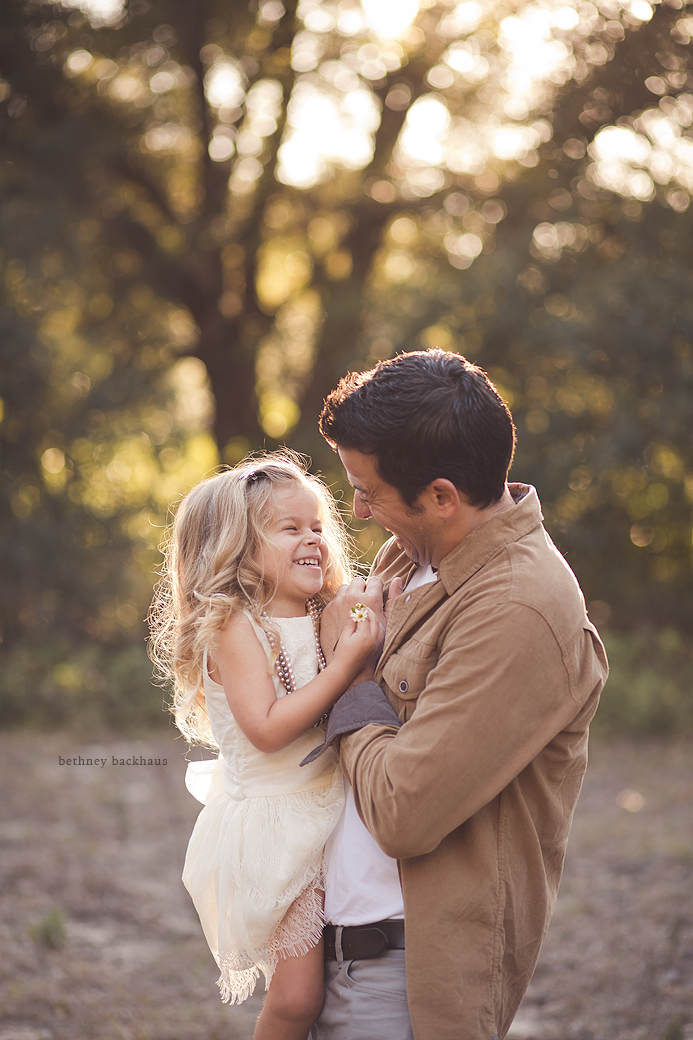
(360,706)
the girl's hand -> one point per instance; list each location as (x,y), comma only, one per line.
(335,617)
(358,641)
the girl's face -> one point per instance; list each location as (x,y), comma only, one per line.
(297,556)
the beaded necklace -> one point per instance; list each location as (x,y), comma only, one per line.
(284,669)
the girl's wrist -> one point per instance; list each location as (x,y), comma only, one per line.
(343,671)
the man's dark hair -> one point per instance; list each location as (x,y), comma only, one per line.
(425,415)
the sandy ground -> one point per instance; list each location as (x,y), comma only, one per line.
(102,850)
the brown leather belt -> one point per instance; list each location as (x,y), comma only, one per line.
(363,941)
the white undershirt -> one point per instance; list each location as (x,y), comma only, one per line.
(363,883)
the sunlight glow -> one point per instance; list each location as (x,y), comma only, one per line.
(425,129)
(463,249)
(620,143)
(221,145)
(535,55)
(168,137)
(224,85)
(333,112)
(641,10)
(161,82)
(630,161)
(631,801)
(324,129)
(99,12)
(466,59)
(466,148)
(78,61)
(262,106)
(270,12)
(511,142)
(306,49)
(549,240)
(125,88)
(390,18)
(465,18)
(399,266)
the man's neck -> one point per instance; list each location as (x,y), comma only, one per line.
(466,520)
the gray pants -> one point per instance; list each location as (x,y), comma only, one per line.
(365,1000)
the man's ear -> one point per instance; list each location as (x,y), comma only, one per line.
(444,497)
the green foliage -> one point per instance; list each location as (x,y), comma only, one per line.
(86,688)
(50,930)
(650,686)
(602,402)
(102,423)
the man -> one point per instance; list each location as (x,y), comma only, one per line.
(493,671)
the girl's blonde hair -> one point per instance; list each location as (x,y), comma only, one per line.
(213,569)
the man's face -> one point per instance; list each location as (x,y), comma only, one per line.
(374,498)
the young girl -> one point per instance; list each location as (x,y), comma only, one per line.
(255,553)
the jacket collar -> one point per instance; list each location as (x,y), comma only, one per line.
(486,540)
(472,553)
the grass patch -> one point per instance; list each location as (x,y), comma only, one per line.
(50,930)
(674,1030)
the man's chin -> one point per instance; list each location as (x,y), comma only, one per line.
(408,549)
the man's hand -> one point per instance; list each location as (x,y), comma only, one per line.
(336,614)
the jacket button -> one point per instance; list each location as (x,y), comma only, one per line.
(403,686)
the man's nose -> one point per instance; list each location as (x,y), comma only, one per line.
(361,510)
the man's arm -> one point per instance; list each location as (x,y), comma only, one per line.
(487,708)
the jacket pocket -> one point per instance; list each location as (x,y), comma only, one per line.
(406,671)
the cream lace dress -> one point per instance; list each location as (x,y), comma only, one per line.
(255,857)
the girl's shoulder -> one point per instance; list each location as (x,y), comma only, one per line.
(240,620)
(239,631)
(240,625)
(240,643)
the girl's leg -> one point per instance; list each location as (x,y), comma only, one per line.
(294,998)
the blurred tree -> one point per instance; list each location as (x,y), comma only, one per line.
(99,418)
(287,191)
(580,307)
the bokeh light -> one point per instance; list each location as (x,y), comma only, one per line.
(389,18)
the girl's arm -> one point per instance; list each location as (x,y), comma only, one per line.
(271,723)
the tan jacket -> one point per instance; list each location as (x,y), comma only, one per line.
(496,672)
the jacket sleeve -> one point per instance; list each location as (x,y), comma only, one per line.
(499,692)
